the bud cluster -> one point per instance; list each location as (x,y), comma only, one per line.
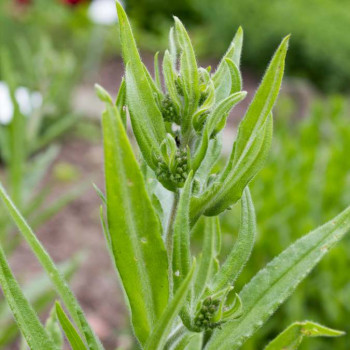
(177,174)
(203,320)
(178,85)
(169,111)
(203,97)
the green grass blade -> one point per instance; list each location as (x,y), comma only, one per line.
(16,133)
(40,294)
(53,273)
(25,316)
(275,283)
(53,329)
(242,249)
(134,229)
(158,337)
(291,338)
(55,207)
(72,335)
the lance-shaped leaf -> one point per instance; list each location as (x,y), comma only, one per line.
(53,329)
(248,153)
(53,273)
(40,294)
(134,230)
(157,71)
(146,118)
(25,316)
(169,79)
(72,335)
(172,47)
(157,339)
(189,74)
(236,78)
(221,195)
(242,249)
(263,101)
(181,238)
(121,101)
(275,283)
(291,338)
(222,78)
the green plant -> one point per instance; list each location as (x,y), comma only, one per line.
(311,155)
(154,205)
(27,153)
(21,137)
(48,77)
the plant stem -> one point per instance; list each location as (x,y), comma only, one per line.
(169,240)
(178,333)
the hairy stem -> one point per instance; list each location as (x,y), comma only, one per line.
(175,336)
(169,239)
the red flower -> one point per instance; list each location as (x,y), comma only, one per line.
(73,2)
(23,2)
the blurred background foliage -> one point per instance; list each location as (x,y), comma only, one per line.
(52,47)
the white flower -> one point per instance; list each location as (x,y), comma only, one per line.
(6,106)
(103,12)
(27,101)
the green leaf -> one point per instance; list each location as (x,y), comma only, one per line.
(181,238)
(169,79)
(222,194)
(135,232)
(158,337)
(53,329)
(189,74)
(251,146)
(172,47)
(53,208)
(210,251)
(291,338)
(275,283)
(184,342)
(242,249)
(218,116)
(16,132)
(121,101)
(224,84)
(156,71)
(40,294)
(72,335)
(53,273)
(25,316)
(146,118)
(236,78)
(263,101)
